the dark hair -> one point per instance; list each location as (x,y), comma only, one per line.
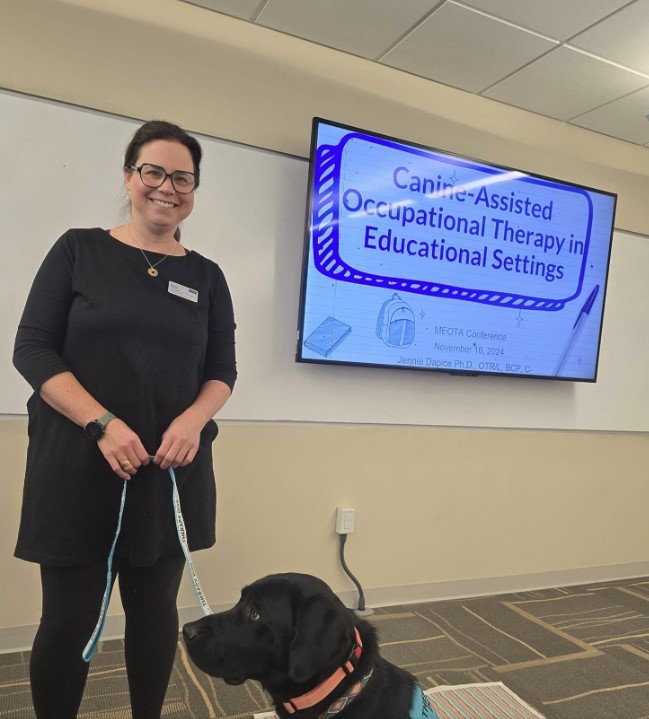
(162,130)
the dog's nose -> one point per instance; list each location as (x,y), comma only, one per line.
(189,632)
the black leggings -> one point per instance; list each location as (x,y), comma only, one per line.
(71,602)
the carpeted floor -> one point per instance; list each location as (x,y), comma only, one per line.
(570,653)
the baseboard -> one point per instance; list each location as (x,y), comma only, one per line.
(16,639)
(486,586)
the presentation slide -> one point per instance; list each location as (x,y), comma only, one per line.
(424,260)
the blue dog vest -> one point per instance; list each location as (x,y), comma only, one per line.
(420,707)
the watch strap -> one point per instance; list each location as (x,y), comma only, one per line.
(105,419)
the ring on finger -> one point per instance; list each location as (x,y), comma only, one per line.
(125,462)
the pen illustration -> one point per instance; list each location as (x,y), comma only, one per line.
(576,328)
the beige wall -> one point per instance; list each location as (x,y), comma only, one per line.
(433,504)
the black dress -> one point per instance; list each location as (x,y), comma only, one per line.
(143,347)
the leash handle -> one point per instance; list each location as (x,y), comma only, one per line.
(91,646)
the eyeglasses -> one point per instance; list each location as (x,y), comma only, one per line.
(155,176)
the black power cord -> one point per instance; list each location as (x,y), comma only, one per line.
(361,609)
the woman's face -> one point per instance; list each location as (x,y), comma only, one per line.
(160,208)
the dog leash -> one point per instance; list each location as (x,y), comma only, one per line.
(91,646)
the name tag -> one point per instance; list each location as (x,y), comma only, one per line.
(187,293)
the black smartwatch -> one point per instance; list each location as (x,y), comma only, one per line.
(95,428)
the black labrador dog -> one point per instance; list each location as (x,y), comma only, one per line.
(313,656)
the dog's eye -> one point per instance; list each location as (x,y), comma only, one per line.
(253,614)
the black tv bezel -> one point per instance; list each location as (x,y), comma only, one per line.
(299,358)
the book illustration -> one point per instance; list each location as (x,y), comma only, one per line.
(395,324)
(327,336)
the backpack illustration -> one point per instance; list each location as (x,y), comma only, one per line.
(396,323)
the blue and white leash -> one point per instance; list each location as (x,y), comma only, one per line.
(91,646)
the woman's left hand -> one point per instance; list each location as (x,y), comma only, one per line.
(179,442)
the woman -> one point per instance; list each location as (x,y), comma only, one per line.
(127,339)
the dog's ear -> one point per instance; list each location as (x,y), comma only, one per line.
(322,638)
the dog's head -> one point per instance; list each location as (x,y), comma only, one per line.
(286,630)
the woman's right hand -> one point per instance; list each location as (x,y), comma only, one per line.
(122,449)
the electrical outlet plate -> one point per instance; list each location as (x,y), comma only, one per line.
(345,520)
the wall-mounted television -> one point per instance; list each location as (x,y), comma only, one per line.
(425,260)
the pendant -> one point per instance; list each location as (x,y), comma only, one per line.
(152,271)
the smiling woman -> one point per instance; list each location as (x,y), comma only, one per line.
(124,367)
(160,176)
(157,205)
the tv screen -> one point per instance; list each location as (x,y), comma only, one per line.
(420,259)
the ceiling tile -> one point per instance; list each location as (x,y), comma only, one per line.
(243,9)
(565,83)
(465,49)
(510,51)
(624,118)
(559,19)
(361,27)
(623,37)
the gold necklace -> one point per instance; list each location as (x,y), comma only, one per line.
(152,268)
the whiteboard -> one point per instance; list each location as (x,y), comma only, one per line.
(61,168)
